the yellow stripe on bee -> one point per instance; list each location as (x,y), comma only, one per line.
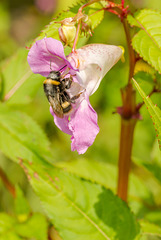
(50,81)
(65,104)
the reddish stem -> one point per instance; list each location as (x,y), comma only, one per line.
(126,142)
(122,3)
(128,122)
(132,59)
(79,22)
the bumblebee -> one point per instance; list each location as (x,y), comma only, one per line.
(56,90)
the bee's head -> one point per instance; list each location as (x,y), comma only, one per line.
(54,75)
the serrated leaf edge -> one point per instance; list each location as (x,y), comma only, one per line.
(60,191)
(152,106)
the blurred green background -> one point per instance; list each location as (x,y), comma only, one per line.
(20,23)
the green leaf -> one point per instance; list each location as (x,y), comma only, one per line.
(154,217)
(147,42)
(10,236)
(97,17)
(148,237)
(66,5)
(80,209)
(154,111)
(150,228)
(20,84)
(142,66)
(153,185)
(51,30)
(149,231)
(35,227)
(104,174)
(132,21)
(7,224)
(98,172)
(77,208)
(22,208)
(21,137)
(154,168)
(156,154)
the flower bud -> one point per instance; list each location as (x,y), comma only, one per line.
(67,34)
(86,26)
(67,31)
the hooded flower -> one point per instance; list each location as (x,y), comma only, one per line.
(87,66)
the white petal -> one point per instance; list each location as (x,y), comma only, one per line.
(94,61)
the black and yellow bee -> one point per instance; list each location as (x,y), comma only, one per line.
(56,90)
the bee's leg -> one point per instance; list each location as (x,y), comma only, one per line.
(72,100)
(66,83)
(65,96)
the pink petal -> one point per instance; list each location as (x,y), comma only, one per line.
(83,125)
(94,61)
(47,55)
(61,123)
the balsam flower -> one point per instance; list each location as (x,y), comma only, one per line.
(87,65)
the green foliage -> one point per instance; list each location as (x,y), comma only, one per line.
(104,174)
(142,66)
(66,5)
(80,209)
(154,168)
(149,231)
(6,223)
(52,29)
(83,206)
(10,45)
(23,224)
(22,208)
(154,111)
(21,137)
(71,203)
(147,42)
(150,228)
(97,17)
(35,227)
(17,76)
(98,172)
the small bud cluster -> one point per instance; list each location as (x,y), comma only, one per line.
(68,28)
(67,31)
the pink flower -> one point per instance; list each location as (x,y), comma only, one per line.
(87,65)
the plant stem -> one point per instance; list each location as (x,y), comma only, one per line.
(128,122)
(126,142)
(87,4)
(131,52)
(76,37)
(7,183)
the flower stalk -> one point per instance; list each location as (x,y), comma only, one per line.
(128,122)
(126,142)
(129,117)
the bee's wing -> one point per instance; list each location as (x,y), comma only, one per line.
(56,106)
(75,89)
